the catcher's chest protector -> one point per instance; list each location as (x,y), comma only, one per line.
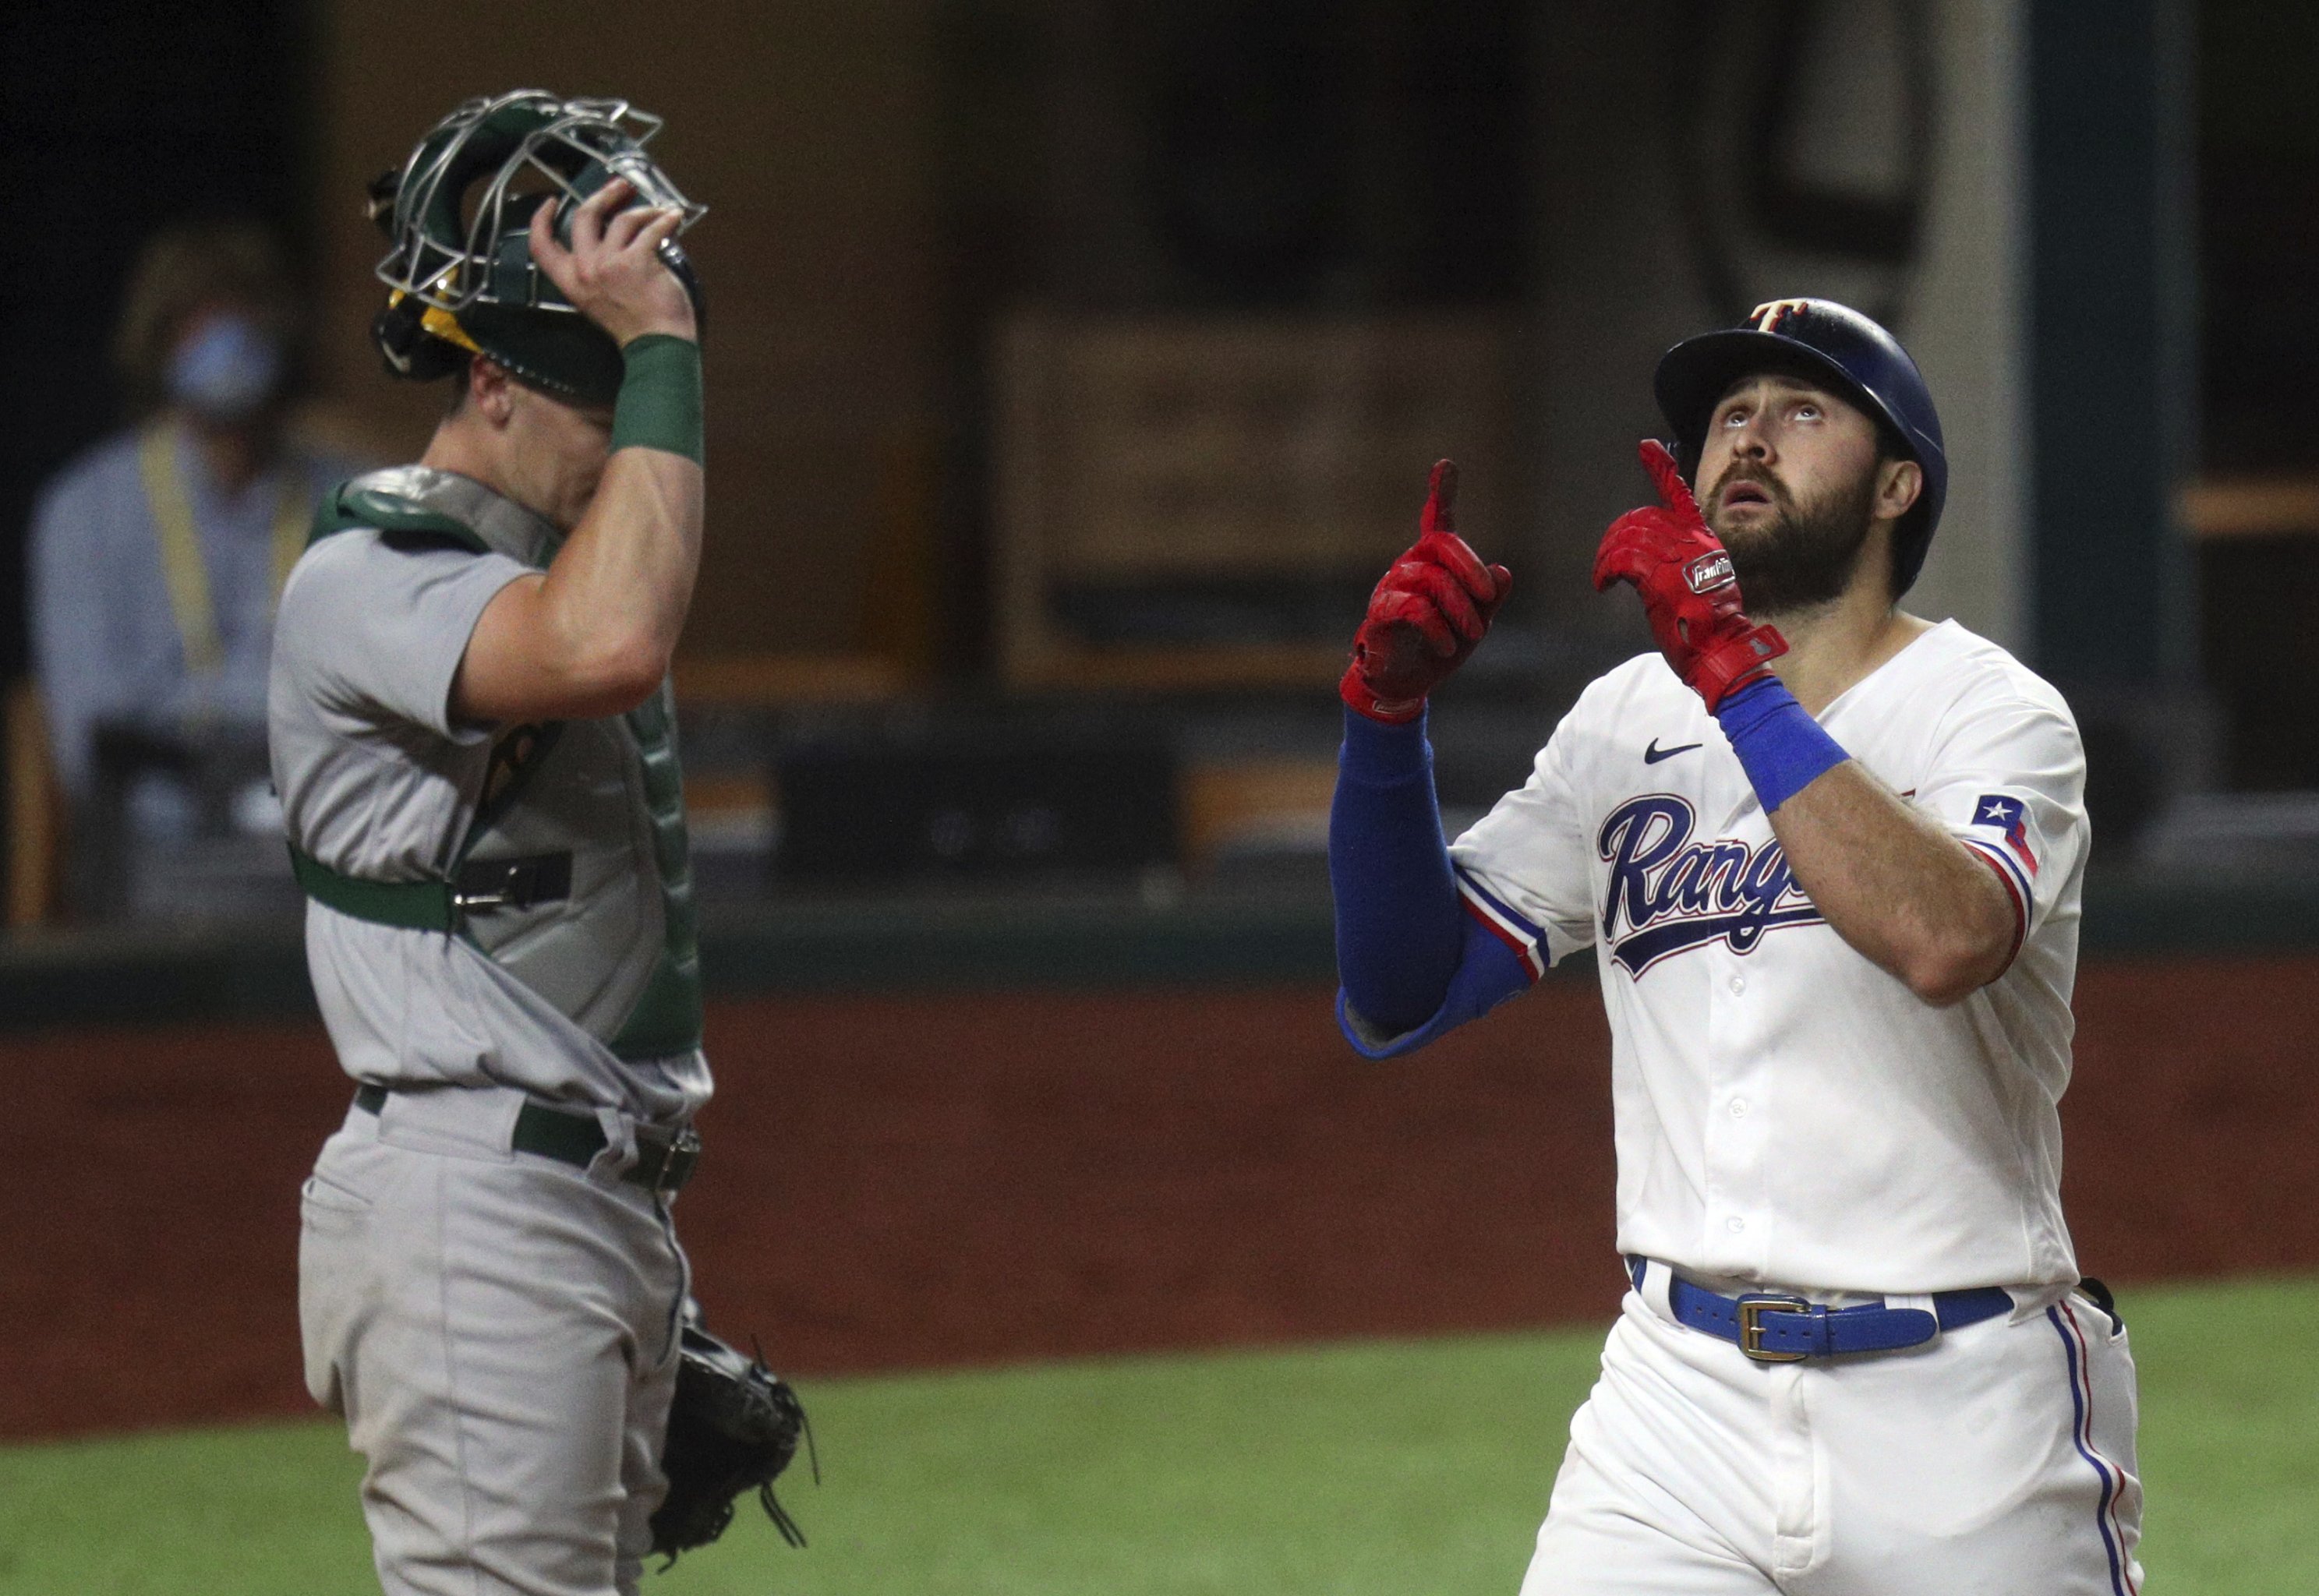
(615,948)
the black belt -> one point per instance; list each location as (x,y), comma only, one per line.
(665,1160)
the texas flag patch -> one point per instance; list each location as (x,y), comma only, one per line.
(2011,816)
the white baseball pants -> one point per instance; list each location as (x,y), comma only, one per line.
(499,1331)
(1997,1460)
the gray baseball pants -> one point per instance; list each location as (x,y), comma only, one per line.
(499,1331)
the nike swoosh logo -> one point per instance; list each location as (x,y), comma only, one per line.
(1654,754)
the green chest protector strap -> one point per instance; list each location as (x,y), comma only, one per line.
(526,813)
(437,904)
(471,886)
(414,905)
(477,886)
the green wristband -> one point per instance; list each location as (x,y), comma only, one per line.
(659,406)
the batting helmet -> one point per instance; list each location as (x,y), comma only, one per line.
(460,277)
(1830,342)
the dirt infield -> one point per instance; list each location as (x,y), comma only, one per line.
(901,1181)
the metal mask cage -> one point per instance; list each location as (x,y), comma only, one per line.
(570,138)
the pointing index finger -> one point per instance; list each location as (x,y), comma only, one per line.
(1440,499)
(1674,492)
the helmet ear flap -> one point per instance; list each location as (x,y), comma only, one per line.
(407,347)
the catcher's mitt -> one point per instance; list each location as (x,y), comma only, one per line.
(734,1425)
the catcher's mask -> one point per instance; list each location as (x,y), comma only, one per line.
(461,279)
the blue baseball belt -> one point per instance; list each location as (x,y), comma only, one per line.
(1773,1326)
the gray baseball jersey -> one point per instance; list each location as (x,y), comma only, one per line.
(378,782)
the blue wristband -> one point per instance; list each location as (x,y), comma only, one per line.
(1782,749)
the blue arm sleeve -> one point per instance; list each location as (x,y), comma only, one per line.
(1412,963)
(1488,972)
(1779,746)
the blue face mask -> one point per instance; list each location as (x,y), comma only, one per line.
(227,370)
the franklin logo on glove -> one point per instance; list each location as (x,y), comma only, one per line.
(1671,557)
(1709,571)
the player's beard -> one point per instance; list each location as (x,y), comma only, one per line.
(1804,556)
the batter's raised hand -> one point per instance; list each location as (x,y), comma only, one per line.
(1690,594)
(612,271)
(1427,616)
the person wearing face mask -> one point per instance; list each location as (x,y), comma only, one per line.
(157,557)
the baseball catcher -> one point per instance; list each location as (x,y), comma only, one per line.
(473,739)
(1828,855)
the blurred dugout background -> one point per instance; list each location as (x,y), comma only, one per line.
(1075,366)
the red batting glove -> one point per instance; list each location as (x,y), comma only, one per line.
(1426,618)
(1689,593)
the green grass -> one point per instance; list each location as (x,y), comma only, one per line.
(1417,1466)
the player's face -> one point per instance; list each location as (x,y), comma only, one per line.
(1789,478)
(556,453)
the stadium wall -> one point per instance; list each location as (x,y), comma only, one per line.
(942,1178)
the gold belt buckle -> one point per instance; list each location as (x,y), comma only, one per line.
(1751,1326)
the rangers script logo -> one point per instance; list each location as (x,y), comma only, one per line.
(1668,893)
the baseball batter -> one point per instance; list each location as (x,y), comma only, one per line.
(1829,857)
(471,738)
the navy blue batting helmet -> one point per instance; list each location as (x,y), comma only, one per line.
(1831,343)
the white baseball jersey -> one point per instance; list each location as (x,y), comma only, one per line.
(1787,1113)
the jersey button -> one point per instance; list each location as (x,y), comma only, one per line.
(1738,985)
(1739,1108)
(1735,1225)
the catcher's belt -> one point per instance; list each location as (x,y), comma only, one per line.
(665,1160)
(733,1427)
